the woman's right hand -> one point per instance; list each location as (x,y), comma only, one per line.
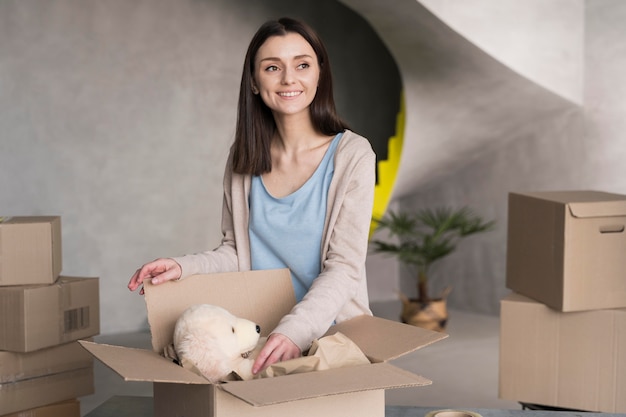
(157,271)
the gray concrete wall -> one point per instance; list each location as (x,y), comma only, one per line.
(470,95)
(540,39)
(117,115)
(578,147)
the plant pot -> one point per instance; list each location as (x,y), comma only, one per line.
(432,315)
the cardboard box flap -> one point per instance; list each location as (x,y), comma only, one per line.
(141,365)
(373,336)
(28,219)
(573,196)
(598,209)
(260,296)
(585,203)
(267,391)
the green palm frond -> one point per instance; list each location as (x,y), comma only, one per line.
(427,235)
(398,224)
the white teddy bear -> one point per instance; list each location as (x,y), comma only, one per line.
(216,342)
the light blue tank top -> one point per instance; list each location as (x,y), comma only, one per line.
(287,232)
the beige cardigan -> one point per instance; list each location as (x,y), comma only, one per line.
(340,291)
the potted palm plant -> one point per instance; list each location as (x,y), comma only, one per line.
(421,239)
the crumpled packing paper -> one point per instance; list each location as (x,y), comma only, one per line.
(328,352)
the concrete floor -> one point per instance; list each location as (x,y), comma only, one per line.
(463,367)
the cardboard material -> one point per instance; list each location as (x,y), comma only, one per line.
(177,400)
(261,297)
(68,408)
(566,249)
(45,390)
(573,360)
(264,297)
(30,250)
(21,366)
(39,316)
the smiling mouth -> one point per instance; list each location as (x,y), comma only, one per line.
(290,94)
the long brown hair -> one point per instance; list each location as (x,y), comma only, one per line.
(255,122)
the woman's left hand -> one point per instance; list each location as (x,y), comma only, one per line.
(278,348)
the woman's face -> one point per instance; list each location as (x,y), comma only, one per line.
(286,74)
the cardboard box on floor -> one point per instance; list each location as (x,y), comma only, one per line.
(46,390)
(68,408)
(40,378)
(573,360)
(567,249)
(39,316)
(264,297)
(30,250)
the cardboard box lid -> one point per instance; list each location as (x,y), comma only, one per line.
(28,219)
(586,203)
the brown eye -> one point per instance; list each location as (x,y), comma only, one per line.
(233,329)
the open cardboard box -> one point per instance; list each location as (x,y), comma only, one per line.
(264,297)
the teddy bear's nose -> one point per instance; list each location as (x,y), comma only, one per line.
(258,329)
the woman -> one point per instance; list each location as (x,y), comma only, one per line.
(298,191)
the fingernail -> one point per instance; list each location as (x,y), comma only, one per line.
(154,281)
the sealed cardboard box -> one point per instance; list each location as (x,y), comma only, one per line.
(34,381)
(33,384)
(39,316)
(566,248)
(68,408)
(264,297)
(16,366)
(30,250)
(45,390)
(573,360)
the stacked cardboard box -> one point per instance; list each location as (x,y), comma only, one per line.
(563,329)
(68,408)
(43,368)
